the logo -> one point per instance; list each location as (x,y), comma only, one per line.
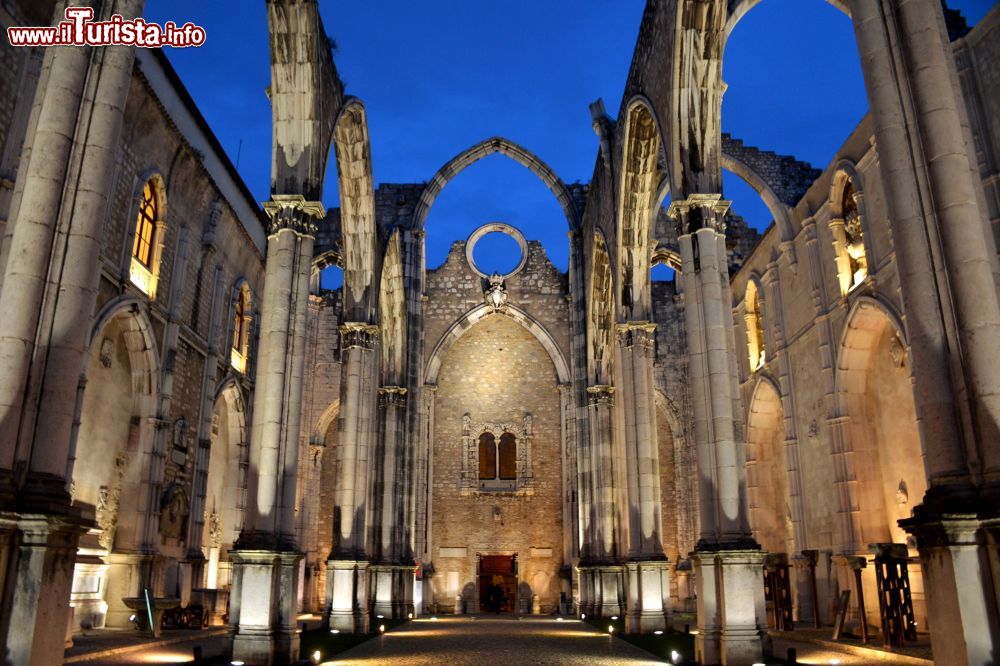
(80,29)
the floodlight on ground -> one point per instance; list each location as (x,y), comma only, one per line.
(433,619)
(675,656)
(236,663)
(583,616)
(380,617)
(381,628)
(611,628)
(335,631)
(658,632)
(317,657)
(409,616)
(559,619)
(614,617)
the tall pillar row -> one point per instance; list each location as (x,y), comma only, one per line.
(727,560)
(953,325)
(264,600)
(50,284)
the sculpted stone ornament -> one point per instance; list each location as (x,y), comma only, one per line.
(292,211)
(496,295)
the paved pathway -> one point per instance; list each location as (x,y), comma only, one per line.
(465,641)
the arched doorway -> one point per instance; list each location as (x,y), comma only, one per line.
(118,403)
(767,471)
(226,487)
(877,423)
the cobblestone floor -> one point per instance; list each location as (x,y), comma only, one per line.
(481,641)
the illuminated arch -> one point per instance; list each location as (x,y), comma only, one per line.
(739,8)
(392,313)
(641,180)
(480,312)
(357,207)
(600,313)
(505,147)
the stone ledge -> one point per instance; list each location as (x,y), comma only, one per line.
(872,653)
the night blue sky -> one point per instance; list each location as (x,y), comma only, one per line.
(437,76)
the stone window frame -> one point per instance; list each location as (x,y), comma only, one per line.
(470,484)
(146,276)
(845,176)
(239,350)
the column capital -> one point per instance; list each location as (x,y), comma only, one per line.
(392,396)
(700,211)
(358,334)
(293,211)
(636,333)
(601,393)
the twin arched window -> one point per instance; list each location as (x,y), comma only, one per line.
(497,462)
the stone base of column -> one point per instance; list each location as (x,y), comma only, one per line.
(731,613)
(606,589)
(648,596)
(128,574)
(347,596)
(40,558)
(263,606)
(393,588)
(955,555)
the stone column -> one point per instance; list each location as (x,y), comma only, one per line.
(648,564)
(727,560)
(266,556)
(347,568)
(604,551)
(953,324)
(390,577)
(50,281)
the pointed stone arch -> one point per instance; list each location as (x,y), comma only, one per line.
(392,314)
(477,314)
(639,197)
(600,313)
(767,471)
(490,146)
(740,8)
(357,208)
(140,341)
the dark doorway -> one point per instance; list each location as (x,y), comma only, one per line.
(499,571)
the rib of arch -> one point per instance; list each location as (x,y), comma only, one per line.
(739,8)
(505,147)
(143,356)
(779,210)
(477,314)
(865,322)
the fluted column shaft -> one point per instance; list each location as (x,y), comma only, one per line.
(274,441)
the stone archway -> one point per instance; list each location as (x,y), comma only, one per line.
(767,471)
(877,453)
(107,462)
(226,484)
(505,147)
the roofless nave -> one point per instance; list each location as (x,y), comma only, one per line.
(183,410)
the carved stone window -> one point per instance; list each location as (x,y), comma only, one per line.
(496,457)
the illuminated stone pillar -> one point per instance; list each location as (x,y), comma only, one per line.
(647,565)
(347,569)
(51,274)
(727,560)
(934,201)
(266,556)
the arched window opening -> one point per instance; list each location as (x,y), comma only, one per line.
(241,330)
(487,457)
(849,240)
(144,265)
(756,352)
(507,455)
